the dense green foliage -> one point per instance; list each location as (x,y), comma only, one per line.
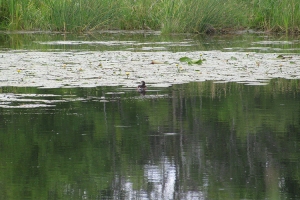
(169,16)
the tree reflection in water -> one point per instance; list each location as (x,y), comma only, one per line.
(191,141)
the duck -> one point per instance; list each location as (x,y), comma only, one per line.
(142,88)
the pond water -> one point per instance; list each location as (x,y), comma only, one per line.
(199,140)
(147,41)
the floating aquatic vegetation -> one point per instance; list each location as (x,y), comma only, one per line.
(233,58)
(283,57)
(27,106)
(125,68)
(192,61)
(10,100)
(158,62)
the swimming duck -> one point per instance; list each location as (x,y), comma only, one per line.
(142,88)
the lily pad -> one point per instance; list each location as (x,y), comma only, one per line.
(191,61)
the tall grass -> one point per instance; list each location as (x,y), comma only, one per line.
(276,15)
(59,15)
(169,16)
(199,16)
(182,15)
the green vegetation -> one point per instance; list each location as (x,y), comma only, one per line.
(276,15)
(169,16)
(192,61)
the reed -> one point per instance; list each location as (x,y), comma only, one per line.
(59,15)
(276,15)
(169,16)
(183,15)
(140,14)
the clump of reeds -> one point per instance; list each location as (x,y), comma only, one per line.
(183,15)
(169,16)
(276,15)
(59,15)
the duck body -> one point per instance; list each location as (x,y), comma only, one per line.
(142,88)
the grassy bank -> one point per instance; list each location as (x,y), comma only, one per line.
(169,16)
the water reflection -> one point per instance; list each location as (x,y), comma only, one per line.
(191,141)
(147,41)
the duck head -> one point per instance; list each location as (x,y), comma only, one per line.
(143,85)
(142,88)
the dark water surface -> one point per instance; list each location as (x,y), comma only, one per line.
(191,141)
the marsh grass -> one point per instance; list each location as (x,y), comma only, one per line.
(276,15)
(59,15)
(169,16)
